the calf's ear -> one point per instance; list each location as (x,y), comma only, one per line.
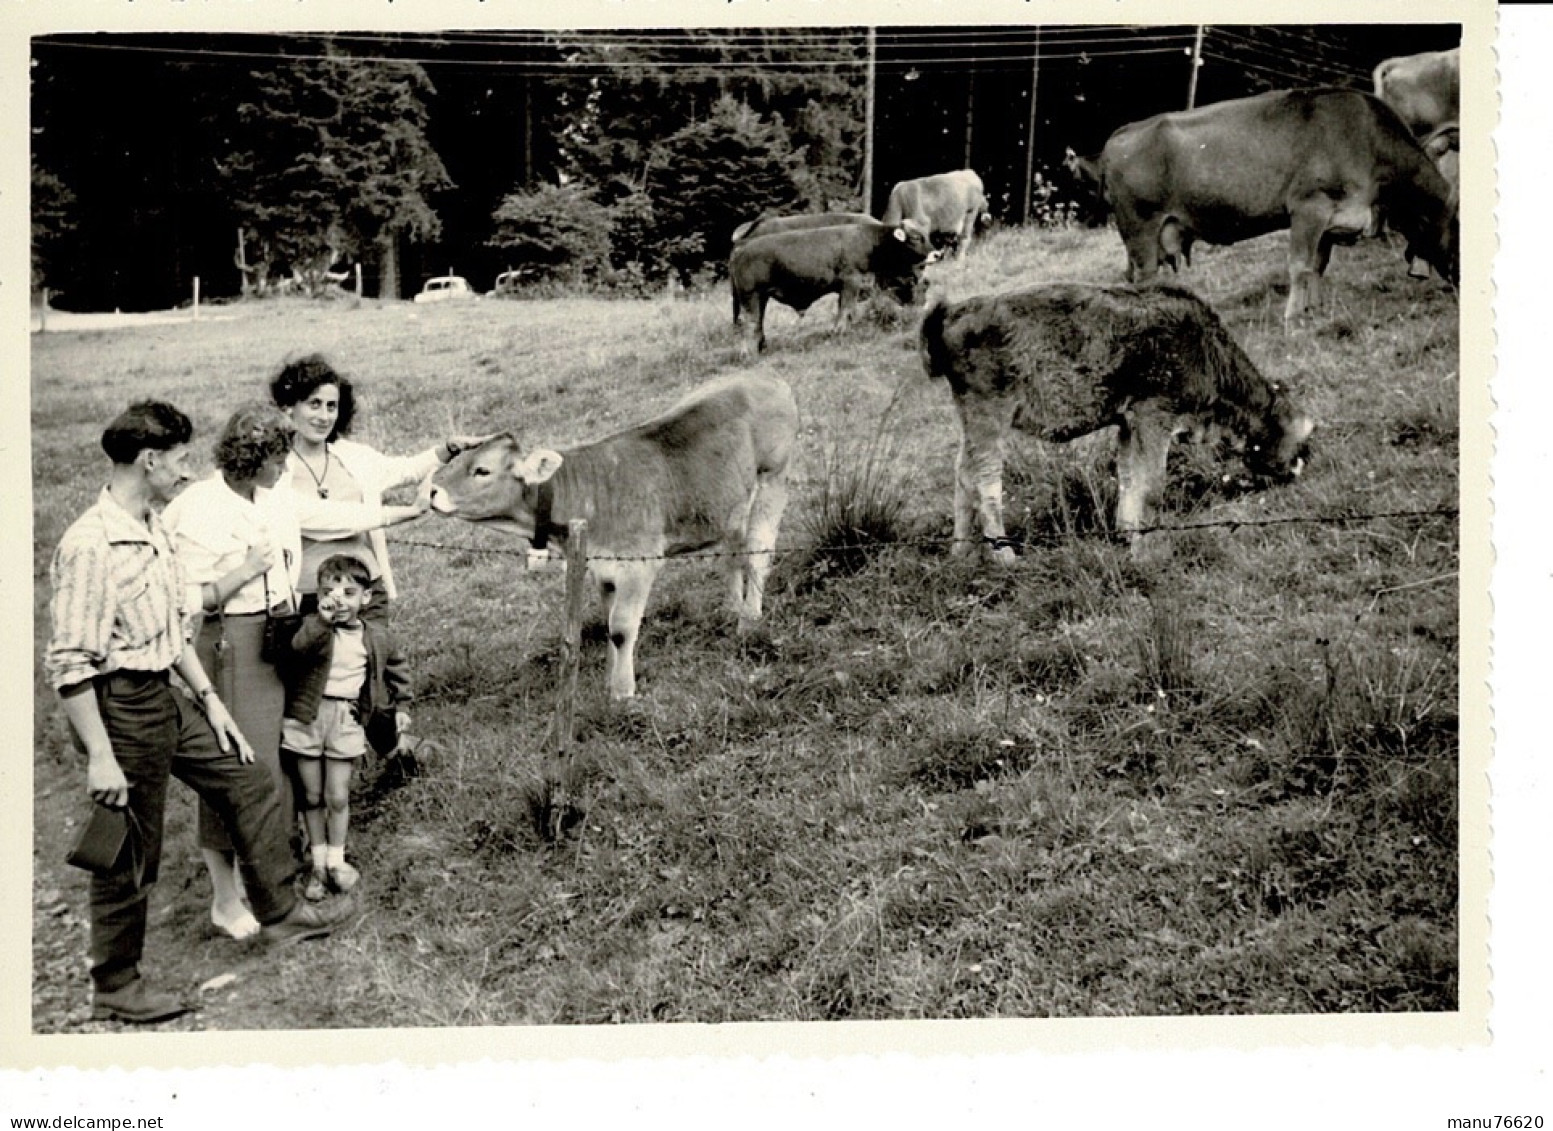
(537,466)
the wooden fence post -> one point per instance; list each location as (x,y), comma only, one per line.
(565,717)
(196,298)
(43,313)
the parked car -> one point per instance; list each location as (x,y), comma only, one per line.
(507,283)
(446,287)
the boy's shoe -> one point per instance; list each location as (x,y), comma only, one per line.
(342,877)
(137,1003)
(314,888)
(307,921)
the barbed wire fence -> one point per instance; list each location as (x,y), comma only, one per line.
(1044,538)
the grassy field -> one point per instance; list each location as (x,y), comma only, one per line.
(1221,779)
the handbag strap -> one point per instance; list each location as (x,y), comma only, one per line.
(269,602)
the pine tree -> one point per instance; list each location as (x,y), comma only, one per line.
(52,205)
(711,176)
(331,159)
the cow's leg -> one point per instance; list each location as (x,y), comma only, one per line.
(964,504)
(1144,448)
(1307,230)
(760,535)
(967,228)
(757,311)
(978,478)
(749,308)
(845,301)
(625,586)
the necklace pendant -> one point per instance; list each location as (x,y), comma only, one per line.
(323,492)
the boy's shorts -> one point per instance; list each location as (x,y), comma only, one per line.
(335,733)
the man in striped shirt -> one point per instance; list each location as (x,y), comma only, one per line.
(119,627)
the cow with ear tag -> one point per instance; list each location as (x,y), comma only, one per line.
(798,268)
(709,474)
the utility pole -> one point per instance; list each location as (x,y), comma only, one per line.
(528,131)
(868,126)
(970,112)
(1191,88)
(1035,83)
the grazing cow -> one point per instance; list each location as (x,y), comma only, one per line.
(1088,179)
(799,268)
(1062,360)
(1328,164)
(1425,91)
(951,205)
(711,472)
(770,224)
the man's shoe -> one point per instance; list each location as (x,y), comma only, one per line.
(308,921)
(137,1003)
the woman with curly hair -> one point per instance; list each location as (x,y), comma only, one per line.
(339,483)
(239,542)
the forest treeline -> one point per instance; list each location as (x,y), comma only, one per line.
(604,159)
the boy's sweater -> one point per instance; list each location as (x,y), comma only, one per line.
(305,670)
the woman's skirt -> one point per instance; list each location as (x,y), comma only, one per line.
(256,700)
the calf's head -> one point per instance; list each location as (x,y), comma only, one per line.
(494,483)
(1279,447)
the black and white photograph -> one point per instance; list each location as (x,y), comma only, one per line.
(741,530)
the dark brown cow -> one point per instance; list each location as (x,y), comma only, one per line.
(1425,91)
(1330,165)
(1062,360)
(768,225)
(951,205)
(711,472)
(800,268)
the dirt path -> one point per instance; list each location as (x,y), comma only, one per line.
(237,985)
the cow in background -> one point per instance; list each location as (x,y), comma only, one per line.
(1062,360)
(1425,91)
(1330,165)
(947,205)
(799,268)
(709,473)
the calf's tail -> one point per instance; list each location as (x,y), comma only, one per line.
(936,356)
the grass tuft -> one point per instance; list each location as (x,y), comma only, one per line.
(859,507)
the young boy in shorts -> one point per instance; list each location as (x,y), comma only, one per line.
(342,671)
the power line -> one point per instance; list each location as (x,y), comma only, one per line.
(595,68)
(1261,51)
(1284,78)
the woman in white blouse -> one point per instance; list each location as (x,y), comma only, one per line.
(339,484)
(238,541)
